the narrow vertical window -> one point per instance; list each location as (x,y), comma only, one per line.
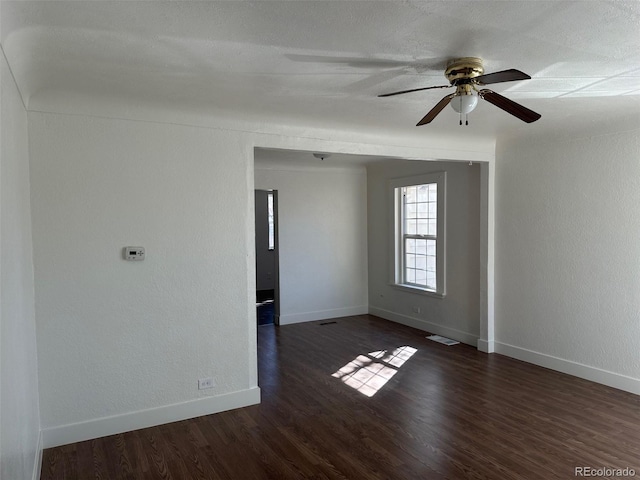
(419,233)
(272,237)
(419,219)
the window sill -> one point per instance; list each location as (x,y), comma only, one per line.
(417,290)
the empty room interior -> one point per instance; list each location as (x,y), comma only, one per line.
(318,239)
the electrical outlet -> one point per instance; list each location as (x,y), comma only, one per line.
(416,309)
(205,383)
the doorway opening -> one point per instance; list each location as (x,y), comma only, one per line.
(267,304)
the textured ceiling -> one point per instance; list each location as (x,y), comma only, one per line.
(324,63)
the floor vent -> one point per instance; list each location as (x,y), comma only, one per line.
(443,340)
(328,323)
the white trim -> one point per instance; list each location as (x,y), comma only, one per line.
(426,326)
(37,466)
(487,252)
(101,427)
(486,346)
(322,314)
(417,290)
(611,379)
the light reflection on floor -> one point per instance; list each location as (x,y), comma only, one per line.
(369,373)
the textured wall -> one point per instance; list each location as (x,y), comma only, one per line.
(19,417)
(118,339)
(322,219)
(117,336)
(459,312)
(567,256)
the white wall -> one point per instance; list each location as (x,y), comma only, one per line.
(322,228)
(265,258)
(19,416)
(458,314)
(122,344)
(568,256)
(119,337)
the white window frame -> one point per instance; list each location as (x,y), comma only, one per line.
(397,234)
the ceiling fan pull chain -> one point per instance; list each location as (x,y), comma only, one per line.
(466,119)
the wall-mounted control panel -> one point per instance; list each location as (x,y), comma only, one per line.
(134,253)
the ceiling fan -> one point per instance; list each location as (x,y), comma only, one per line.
(465,74)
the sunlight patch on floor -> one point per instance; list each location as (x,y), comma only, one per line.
(369,373)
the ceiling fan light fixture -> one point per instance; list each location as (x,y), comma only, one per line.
(465,103)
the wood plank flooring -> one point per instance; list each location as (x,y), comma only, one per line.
(444,413)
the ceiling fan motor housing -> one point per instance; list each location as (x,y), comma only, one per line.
(462,70)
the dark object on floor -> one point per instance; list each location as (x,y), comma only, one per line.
(265,313)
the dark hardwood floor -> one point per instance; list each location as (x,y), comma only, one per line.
(444,413)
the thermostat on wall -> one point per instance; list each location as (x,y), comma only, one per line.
(134,253)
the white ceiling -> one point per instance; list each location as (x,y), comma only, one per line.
(324,63)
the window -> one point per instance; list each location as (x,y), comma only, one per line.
(272,235)
(419,231)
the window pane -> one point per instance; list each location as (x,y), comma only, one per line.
(423,193)
(410,275)
(410,194)
(411,210)
(420,261)
(272,239)
(423,227)
(430,247)
(410,245)
(431,263)
(433,192)
(410,260)
(421,278)
(432,227)
(431,280)
(421,246)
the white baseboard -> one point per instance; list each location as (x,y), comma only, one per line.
(426,326)
(611,379)
(101,427)
(37,466)
(486,346)
(323,314)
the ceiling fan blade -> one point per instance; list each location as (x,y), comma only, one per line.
(503,76)
(436,110)
(412,90)
(509,106)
